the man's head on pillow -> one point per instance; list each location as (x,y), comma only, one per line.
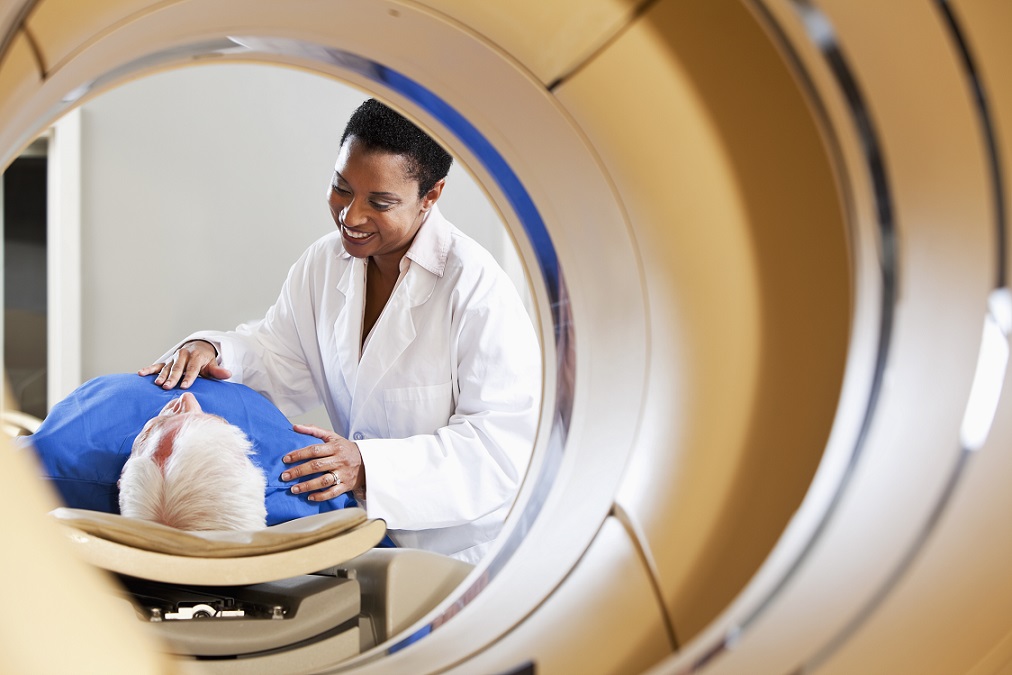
(178,466)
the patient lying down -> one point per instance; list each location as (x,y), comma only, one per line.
(119,443)
(178,464)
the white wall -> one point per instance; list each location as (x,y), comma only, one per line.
(200,187)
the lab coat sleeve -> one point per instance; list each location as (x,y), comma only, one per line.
(268,355)
(473,465)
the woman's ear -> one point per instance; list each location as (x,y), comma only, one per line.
(432,195)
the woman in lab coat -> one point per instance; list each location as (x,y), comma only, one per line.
(412,337)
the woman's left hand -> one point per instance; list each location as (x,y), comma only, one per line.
(335,464)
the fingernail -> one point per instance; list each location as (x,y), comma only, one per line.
(286,476)
(286,459)
(296,489)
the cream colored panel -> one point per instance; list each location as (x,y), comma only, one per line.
(996,662)
(744,252)
(310,658)
(62,26)
(400,586)
(19,80)
(603,619)
(548,38)
(53,596)
(9,10)
(953,612)
(955,605)
(920,109)
(987,25)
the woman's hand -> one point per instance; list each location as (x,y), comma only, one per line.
(336,465)
(197,357)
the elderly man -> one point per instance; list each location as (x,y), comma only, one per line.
(176,464)
(117,443)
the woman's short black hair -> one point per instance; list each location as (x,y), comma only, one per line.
(380,128)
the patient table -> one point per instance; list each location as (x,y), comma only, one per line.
(300,596)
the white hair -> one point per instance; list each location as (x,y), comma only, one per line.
(207,482)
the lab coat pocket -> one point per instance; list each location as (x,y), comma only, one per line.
(417,410)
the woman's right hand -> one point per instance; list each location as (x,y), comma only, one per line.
(193,358)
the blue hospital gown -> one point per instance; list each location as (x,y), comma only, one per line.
(86,438)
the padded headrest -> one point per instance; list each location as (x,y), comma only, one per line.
(151,536)
(157,552)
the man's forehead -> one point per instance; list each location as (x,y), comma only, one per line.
(163,420)
(165,427)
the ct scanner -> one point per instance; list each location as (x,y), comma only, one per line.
(768,244)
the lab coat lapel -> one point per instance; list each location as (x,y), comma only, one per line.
(394,331)
(348,326)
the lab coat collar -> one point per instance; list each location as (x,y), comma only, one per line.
(432,243)
(396,328)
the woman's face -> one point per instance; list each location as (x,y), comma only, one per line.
(375,203)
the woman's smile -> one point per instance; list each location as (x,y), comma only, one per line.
(355,235)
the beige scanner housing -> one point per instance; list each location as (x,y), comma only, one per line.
(776,435)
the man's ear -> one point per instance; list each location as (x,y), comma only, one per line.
(432,196)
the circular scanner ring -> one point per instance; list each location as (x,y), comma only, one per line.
(374,44)
(563,198)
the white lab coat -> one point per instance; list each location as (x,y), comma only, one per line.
(444,399)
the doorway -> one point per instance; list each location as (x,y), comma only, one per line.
(25,271)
